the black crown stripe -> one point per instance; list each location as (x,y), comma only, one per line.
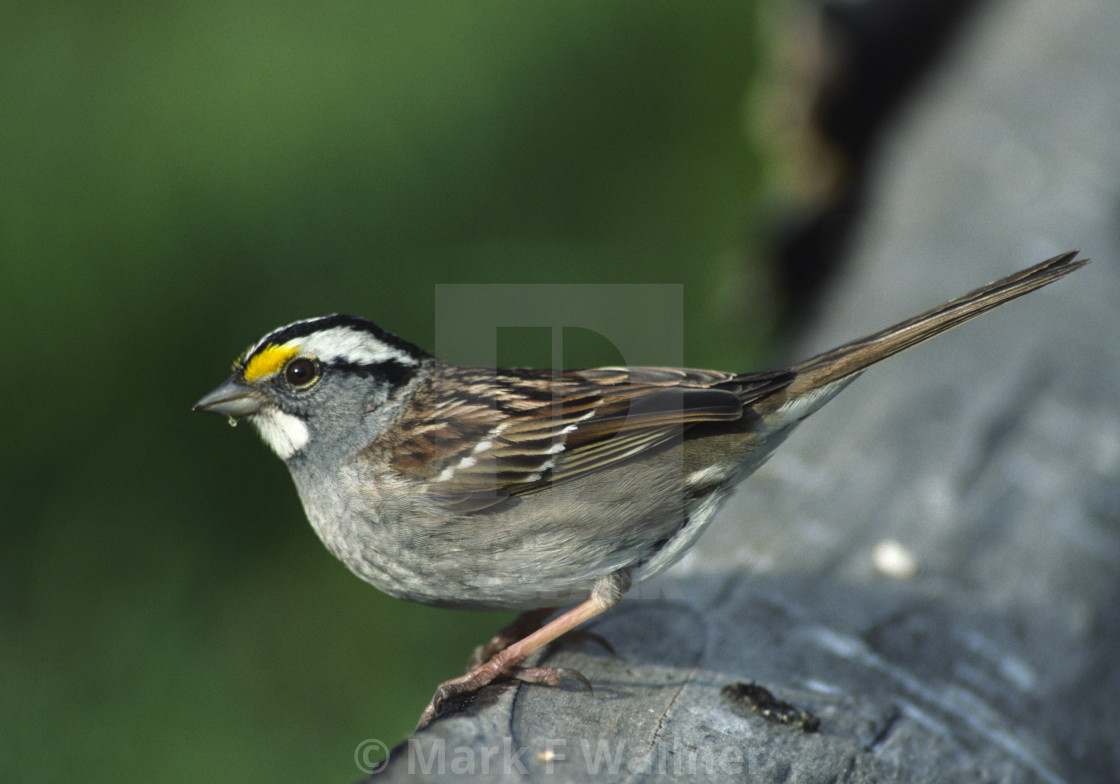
(322,323)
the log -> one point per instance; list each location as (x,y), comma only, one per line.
(931,564)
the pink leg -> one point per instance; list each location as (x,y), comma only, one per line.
(606,594)
(525,624)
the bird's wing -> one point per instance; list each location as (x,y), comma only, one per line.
(487,434)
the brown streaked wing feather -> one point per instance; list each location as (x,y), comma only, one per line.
(662,414)
(489,434)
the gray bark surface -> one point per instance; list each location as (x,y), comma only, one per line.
(991,454)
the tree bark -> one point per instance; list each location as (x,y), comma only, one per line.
(991,456)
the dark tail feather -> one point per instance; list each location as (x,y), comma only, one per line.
(851,358)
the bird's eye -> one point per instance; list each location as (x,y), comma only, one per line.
(301,371)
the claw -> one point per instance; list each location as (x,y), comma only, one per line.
(487,674)
(580,638)
(550,676)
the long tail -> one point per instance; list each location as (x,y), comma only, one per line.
(842,363)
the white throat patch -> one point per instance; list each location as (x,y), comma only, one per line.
(285,433)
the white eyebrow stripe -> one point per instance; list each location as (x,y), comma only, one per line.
(267,338)
(351,346)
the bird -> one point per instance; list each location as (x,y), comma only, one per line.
(530,489)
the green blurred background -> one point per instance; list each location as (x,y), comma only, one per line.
(175,180)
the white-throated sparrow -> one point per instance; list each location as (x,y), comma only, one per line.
(529,489)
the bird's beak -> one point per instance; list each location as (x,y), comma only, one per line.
(232,398)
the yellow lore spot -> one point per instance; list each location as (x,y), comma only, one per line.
(267,361)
